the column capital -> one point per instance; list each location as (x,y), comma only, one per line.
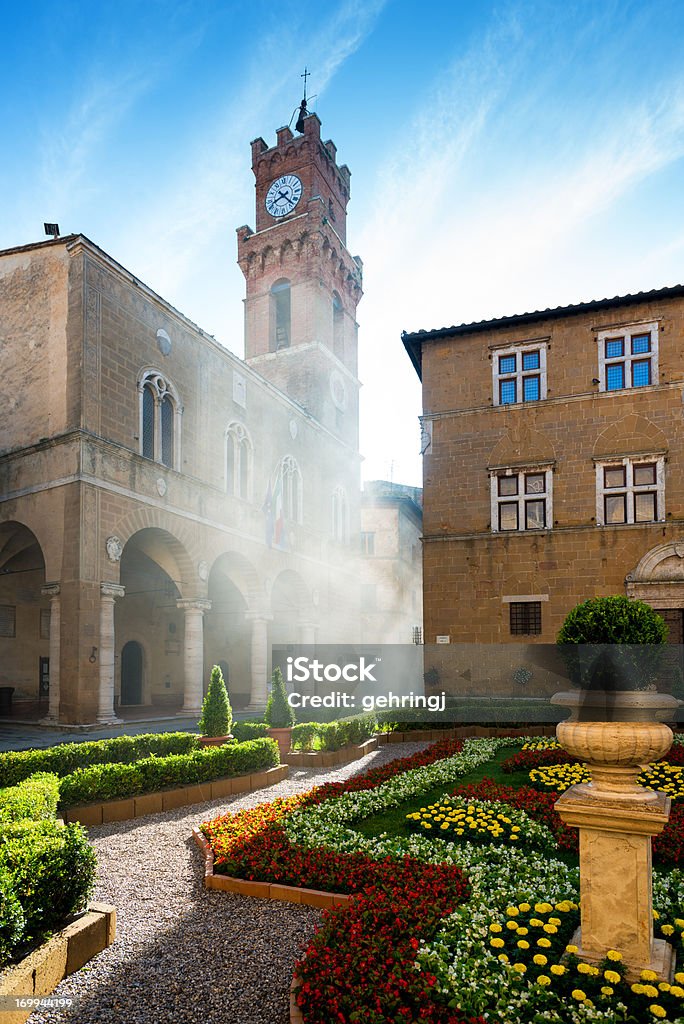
(258,617)
(51,589)
(199,604)
(112,590)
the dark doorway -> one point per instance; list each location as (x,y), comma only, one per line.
(131,673)
(672,679)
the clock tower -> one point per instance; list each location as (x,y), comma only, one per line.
(302,284)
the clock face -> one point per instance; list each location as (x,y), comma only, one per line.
(283,195)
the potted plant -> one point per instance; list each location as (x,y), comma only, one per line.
(279,715)
(217,715)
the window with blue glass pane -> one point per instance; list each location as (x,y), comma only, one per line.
(506,392)
(507,364)
(615,377)
(530,360)
(641,343)
(641,373)
(615,347)
(531,389)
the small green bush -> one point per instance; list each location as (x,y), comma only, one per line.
(304,736)
(344,732)
(17,765)
(105,782)
(52,873)
(217,714)
(249,730)
(35,798)
(12,921)
(279,714)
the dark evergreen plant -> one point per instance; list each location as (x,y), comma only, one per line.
(279,714)
(217,715)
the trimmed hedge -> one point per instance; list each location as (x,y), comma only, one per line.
(47,872)
(249,730)
(111,781)
(65,758)
(35,798)
(329,736)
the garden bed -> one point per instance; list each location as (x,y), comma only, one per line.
(421,938)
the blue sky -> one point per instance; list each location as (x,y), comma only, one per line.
(504,156)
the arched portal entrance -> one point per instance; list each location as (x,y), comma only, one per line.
(24,623)
(228,630)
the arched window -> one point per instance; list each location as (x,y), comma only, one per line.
(280,315)
(338,326)
(160,414)
(291,479)
(340,516)
(239,454)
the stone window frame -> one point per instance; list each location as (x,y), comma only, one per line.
(524,614)
(519,350)
(627,332)
(340,515)
(521,497)
(8,621)
(238,437)
(292,489)
(630,489)
(162,389)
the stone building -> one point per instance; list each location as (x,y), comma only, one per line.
(164,505)
(553,465)
(391,565)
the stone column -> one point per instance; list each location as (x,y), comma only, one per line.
(52,590)
(193,654)
(105,707)
(259,660)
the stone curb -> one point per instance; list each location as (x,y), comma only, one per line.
(263,890)
(331,758)
(168,799)
(41,971)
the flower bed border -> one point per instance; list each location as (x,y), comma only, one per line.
(263,890)
(330,758)
(38,974)
(169,799)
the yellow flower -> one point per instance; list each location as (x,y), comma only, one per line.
(584,968)
(648,976)
(495,927)
(523,931)
(679,921)
(676,991)
(656,915)
(555,920)
(664,987)
(520,968)
(667,929)
(503,958)
(564,906)
(612,976)
(524,907)
(544,943)
(536,923)
(613,954)
(543,980)
(539,959)
(512,925)
(657,1011)
(579,995)
(512,911)
(558,969)
(651,991)
(571,949)
(607,990)
(679,977)
(522,944)
(497,943)
(550,929)
(638,989)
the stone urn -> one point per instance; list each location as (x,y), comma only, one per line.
(283,737)
(617,733)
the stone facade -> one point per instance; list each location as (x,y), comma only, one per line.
(588,451)
(164,505)
(391,566)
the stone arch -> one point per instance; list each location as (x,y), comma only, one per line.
(286,250)
(178,535)
(267,257)
(631,435)
(276,161)
(244,575)
(291,605)
(521,446)
(663,563)
(22,578)
(236,595)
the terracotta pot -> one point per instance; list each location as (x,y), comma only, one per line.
(283,738)
(617,749)
(214,741)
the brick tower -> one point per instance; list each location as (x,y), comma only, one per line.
(302,284)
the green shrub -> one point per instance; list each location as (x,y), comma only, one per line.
(619,627)
(105,782)
(249,730)
(304,736)
(17,765)
(279,714)
(217,714)
(35,798)
(52,873)
(12,920)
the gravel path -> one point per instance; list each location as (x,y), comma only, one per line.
(184,953)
